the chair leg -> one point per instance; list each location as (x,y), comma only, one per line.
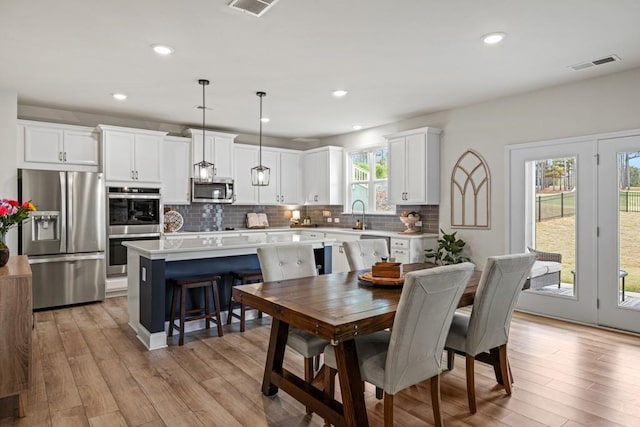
(243,318)
(308,375)
(471,387)
(230,306)
(510,374)
(504,363)
(183,308)
(316,362)
(172,316)
(207,308)
(330,380)
(388,410)
(379,393)
(435,400)
(216,306)
(451,358)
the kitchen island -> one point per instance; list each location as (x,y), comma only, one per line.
(151,263)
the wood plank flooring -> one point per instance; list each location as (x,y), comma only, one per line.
(90,370)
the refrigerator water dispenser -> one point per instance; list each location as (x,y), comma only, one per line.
(45,225)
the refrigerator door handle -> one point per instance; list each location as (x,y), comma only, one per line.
(63,212)
(66,258)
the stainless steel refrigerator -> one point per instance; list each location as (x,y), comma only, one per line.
(65,237)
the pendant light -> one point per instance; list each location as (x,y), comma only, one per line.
(260,174)
(203,171)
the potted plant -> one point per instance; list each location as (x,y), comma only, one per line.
(12,213)
(449,250)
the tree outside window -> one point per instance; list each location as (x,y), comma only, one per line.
(368,179)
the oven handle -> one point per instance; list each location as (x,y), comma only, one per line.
(133,236)
(134,196)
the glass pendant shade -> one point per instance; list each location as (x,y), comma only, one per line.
(260,175)
(203,171)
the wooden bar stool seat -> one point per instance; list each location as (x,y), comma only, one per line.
(181,285)
(242,277)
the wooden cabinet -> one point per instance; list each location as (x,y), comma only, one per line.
(176,170)
(59,147)
(131,156)
(16,321)
(414,167)
(284,182)
(245,157)
(323,176)
(218,149)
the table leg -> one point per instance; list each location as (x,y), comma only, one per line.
(355,411)
(275,355)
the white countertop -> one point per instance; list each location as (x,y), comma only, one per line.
(299,230)
(210,245)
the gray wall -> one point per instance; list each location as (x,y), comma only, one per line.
(9,154)
(597,105)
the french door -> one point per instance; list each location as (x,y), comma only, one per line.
(580,197)
(619,241)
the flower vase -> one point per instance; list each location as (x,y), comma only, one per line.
(4,251)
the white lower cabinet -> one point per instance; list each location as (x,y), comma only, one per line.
(409,250)
(338,255)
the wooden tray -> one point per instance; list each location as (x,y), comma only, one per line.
(381,281)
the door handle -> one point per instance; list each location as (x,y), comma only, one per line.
(64,156)
(282,198)
(60,155)
(136,174)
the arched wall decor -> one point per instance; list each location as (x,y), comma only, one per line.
(471,192)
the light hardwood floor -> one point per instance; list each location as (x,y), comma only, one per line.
(89,369)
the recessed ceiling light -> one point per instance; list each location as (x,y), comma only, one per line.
(161,49)
(493,38)
(265,120)
(357,127)
(339,93)
(120,96)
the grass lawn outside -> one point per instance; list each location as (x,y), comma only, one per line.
(558,235)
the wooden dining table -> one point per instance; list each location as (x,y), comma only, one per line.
(337,307)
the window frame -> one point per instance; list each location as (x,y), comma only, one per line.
(370,150)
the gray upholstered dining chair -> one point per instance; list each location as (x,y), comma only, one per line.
(412,351)
(292,262)
(486,329)
(362,254)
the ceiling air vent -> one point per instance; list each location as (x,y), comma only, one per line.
(606,59)
(253,7)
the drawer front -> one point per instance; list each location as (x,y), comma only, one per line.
(400,255)
(400,243)
(313,235)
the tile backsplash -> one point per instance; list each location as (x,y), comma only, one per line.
(214,217)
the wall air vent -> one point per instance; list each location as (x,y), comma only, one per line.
(606,59)
(253,7)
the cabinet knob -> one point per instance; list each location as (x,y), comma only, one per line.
(282,198)
(60,155)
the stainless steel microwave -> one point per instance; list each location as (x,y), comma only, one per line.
(218,191)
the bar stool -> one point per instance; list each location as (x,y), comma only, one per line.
(244,277)
(181,285)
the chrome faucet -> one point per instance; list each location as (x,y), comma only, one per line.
(363,207)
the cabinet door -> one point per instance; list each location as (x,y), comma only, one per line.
(223,156)
(43,145)
(339,263)
(290,178)
(416,178)
(245,157)
(176,172)
(147,158)
(118,162)
(80,148)
(315,177)
(270,194)
(397,171)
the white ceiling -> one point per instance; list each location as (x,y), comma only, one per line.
(397,58)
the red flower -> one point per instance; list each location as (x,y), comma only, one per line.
(3,210)
(13,202)
(25,205)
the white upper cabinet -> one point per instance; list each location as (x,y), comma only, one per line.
(245,157)
(285,177)
(176,170)
(414,167)
(131,155)
(60,147)
(218,149)
(323,172)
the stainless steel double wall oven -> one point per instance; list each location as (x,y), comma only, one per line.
(132,214)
